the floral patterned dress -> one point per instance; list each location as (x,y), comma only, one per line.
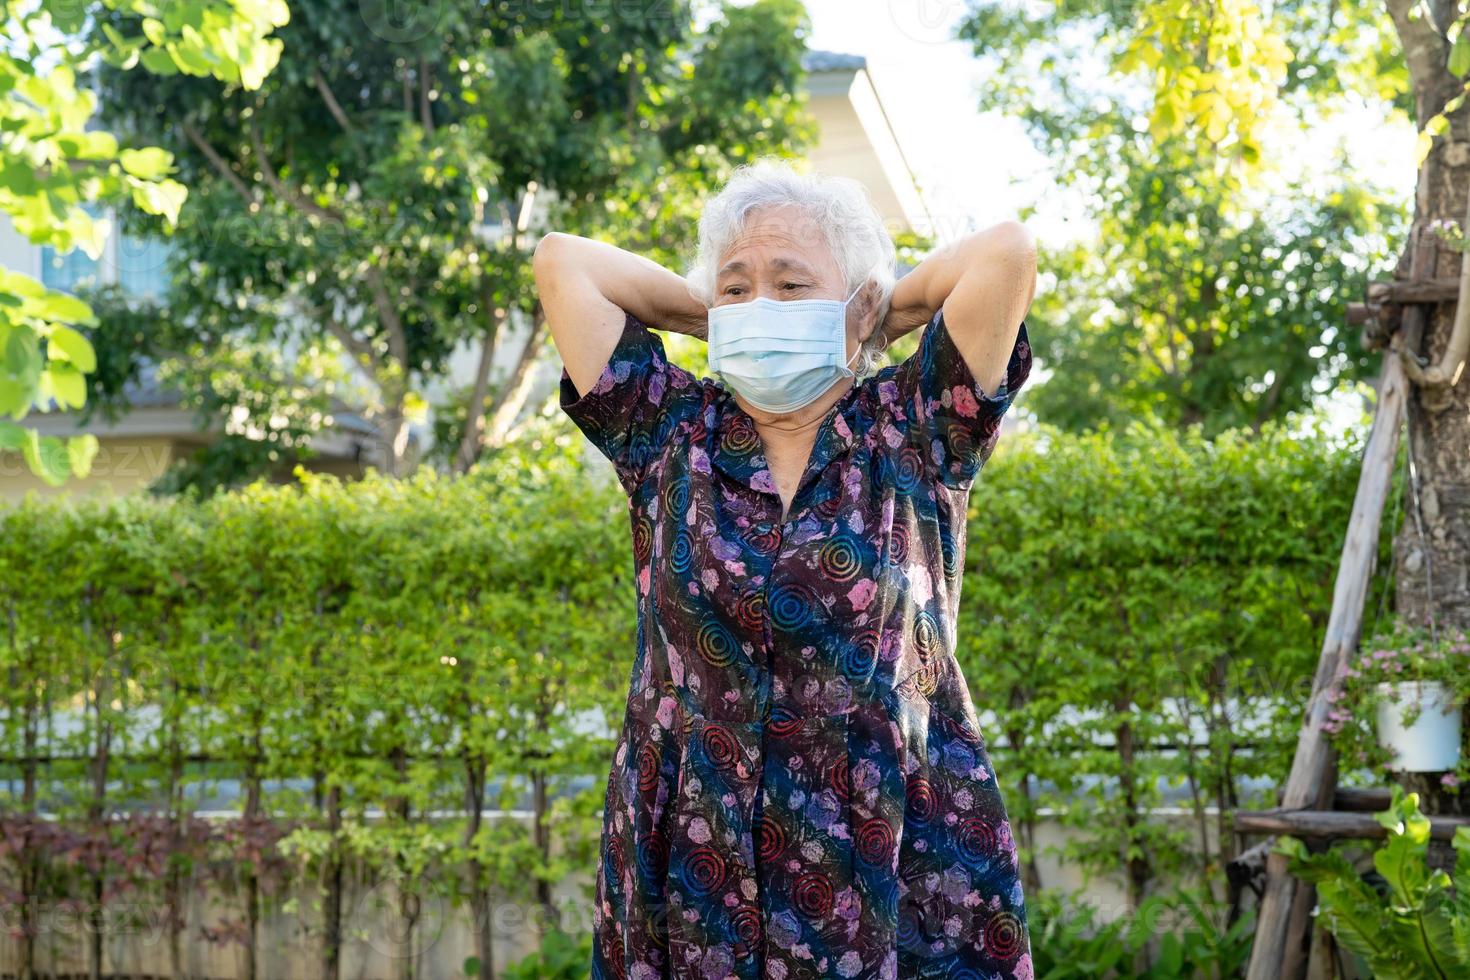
(800,788)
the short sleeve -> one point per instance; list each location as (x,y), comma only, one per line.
(637,404)
(953,421)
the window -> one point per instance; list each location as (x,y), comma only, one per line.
(138,265)
(142,266)
(75,268)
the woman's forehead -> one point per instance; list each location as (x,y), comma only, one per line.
(780,239)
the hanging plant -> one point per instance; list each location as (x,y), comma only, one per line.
(1398,707)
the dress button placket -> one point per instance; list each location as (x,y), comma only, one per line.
(764,694)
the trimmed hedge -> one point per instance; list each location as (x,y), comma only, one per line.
(1150,588)
(357,657)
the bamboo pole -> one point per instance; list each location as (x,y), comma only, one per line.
(1332,825)
(1286,902)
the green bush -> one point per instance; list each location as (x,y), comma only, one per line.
(1413,923)
(1181,936)
(401,647)
(360,655)
(561,957)
(1146,588)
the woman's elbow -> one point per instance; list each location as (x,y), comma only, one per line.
(1011,244)
(550,255)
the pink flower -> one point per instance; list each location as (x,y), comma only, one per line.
(763,481)
(964,402)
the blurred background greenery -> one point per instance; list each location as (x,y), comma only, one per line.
(299,555)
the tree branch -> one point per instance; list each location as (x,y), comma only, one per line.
(218,162)
(1425,51)
(333,106)
(474,426)
(426,117)
(279,186)
(397,339)
(358,349)
(512,394)
(388,315)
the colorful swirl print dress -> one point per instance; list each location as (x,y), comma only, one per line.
(800,788)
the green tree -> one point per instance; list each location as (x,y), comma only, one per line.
(1207,295)
(53,161)
(375,196)
(1209,73)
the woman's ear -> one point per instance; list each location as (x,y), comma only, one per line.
(866,303)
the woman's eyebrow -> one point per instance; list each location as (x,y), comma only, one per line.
(795,265)
(781,263)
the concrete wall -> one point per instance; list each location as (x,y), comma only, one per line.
(122,464)
(377,945)
(375,942)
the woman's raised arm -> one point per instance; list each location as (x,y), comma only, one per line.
(587,287)
(985,283)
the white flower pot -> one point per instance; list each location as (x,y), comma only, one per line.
(1432,743)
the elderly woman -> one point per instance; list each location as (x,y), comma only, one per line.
(800,787)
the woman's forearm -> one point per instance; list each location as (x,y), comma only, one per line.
(583,271)
(920,294)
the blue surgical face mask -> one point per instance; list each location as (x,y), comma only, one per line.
(780,355)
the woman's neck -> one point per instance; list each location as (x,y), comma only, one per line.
(799,425)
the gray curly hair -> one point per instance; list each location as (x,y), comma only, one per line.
(842,209)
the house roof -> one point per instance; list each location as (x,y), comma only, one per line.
(833,61)
(155,409)
(858,139)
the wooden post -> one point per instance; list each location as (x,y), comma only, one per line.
(1284,913)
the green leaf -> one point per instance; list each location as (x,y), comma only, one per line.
(16,395)
(1460,55)
(157,61)
(47,457)
(64,308)
(68,343)
(163,198)
(66,384)
(1422,145)
(22,352)
(149,163)
(81,451)
(12,436)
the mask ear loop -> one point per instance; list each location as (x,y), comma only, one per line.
(882,336)
(848,366)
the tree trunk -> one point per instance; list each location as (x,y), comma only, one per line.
(512,396)
(1016,737)
(474,871)
(409,905)
(474,421)
(1432,547)
(174,884)
(541,805)
(28,859)
(97,810)
(1136,865)
(332,884)
(252,878)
